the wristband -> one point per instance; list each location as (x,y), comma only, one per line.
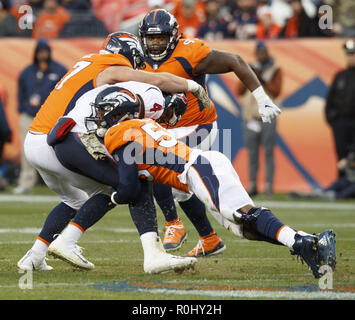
(259,94)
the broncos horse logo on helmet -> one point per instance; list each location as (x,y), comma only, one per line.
(127,45)
(112,105)
(155,23)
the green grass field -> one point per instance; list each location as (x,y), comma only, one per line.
(246,270)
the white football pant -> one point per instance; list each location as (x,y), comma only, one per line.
(72,188)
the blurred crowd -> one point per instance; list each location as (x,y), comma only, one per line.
(208,19)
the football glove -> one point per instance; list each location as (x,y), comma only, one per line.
(267,109)
(199,92)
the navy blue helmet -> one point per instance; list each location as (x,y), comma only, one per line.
(112,105)
(126,44)
(163,23)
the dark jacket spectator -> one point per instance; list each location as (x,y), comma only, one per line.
(38,80)
(244,21)
(215,26)
(5,136)
(339,109)
(5,131)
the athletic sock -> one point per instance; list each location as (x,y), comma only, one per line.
(164,197)
(286,236)
(40,246)
(195,210)
(56,221)
(72,233)
(272,229)
(267,224)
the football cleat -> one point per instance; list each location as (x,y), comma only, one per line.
(72,254)
(174,236)
(207,246)
(33,261)
(326,248)
(165,262)
(316,250)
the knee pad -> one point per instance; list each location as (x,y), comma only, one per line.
(248,223)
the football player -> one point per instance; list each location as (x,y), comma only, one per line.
(144,148)
(167,51)
(119,60)
(92,160)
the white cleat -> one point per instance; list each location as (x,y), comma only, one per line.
(67,252)
(164,262)
(33,261)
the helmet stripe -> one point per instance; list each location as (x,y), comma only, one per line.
(155,13)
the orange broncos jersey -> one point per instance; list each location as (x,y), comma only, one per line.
(77,81)
(160,156)
(187,54)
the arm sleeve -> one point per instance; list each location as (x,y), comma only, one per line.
(129,186)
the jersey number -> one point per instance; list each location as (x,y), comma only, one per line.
(156,133)
(77,68)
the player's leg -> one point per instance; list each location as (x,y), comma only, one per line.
(213,175)
(93,177)
(209,242)
(175,233)
(199,137)
(72,188)
(42,157)
(143,214)
(142,210)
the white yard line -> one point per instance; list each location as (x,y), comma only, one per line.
(256,294)
(237,294)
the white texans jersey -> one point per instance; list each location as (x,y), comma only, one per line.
(152,96)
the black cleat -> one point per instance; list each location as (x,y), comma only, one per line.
(316,250)
(326,248)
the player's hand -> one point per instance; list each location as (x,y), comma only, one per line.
(199,92)
(267,109)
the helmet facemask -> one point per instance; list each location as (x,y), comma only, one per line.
(175,108)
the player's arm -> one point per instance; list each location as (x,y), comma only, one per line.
(129,186)
(222,62)
(164,81)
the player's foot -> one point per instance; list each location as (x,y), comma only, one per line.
(316,250)
(326,248)
(70,253)
(175,235)
(207,246)
(33,261)
(164,262)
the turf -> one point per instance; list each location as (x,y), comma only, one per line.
(246,270)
